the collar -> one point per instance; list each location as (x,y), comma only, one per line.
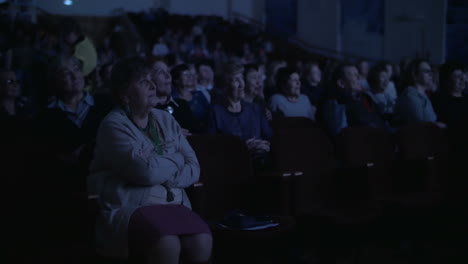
(59,103)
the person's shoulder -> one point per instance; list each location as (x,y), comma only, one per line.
(277,96)
(303,97)
(114,115)
(410,92)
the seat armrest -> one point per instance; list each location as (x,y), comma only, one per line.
(279,174)
(196,193)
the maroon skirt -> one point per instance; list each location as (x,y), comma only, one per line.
(149,223)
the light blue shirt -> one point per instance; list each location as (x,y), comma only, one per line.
(81,112)
(414,106)
(205,91)
(281,106)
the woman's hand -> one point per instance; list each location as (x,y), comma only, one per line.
(185,132)
(257,146)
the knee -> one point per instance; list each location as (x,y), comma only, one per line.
(204,241)
(198,247)
(169,244)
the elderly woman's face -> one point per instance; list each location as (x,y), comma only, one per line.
(293,86)
(162,78)
(252,82)
(315,74)
(141,94)
(205,72)
(457,80)
(187,79)
(235,86)
(69,78)
(382,81)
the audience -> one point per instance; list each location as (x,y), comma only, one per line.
(254,88)
(67,127)
(347,105)
(141,151)
(236,117)
(390,90)
(205,79)
(450,103)
(413,104)
(363,69)
(379,83)
(311,83)
(184,81)
(141,166)
(12,103)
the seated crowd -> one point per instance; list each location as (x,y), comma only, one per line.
(128,115)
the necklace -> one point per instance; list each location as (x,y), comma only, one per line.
(153,132)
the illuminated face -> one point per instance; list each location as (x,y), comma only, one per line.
(382,80)
(162,79)
(252,82)
(141,94)
(235,87)
(9,86)
(205,73)
(424,75)
(351,80)
(389,69)
(69,78)
(457,81)
(293,86)
(187,79)
(364,68)
(315,74)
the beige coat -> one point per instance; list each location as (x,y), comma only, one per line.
(126,169)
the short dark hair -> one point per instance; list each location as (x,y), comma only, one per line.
(308,67)
(283,74)
(124,72)
(446,71)
(177,71)
(68,25)
(374,73)
(204,62)
(339,72)
(250,67)
(413,68)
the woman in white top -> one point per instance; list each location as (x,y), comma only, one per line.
(290,102)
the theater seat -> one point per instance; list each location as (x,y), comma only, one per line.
(229,184)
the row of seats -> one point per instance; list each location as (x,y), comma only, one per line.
(368,161)
(351,180)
